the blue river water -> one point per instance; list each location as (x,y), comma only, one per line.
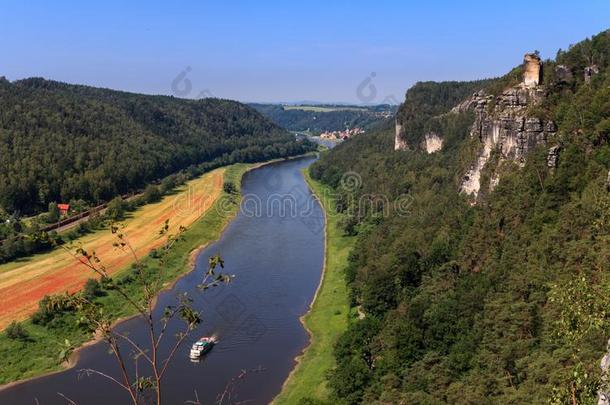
(275,249)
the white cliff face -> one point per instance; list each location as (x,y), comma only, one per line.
(472,180)
(505,126)
(399,143)
(603,396)
(432,142)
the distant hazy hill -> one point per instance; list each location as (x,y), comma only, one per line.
(324,117)
(61,141)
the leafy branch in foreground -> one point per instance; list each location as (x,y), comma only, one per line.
(226,396)
(141,387)
(583,313)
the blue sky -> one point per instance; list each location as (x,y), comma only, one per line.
(283,50)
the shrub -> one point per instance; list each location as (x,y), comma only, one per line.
(229,187)
(53,214)
(348,224)
(168,184)
(152,194)
(116,209)
(16,331)
(106,283)
(92,289)
(78,206)
(50,307)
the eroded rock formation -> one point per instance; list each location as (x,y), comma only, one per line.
(532,71)
(603,394)
(564,74)
(432,142)
(505,127)
(590,71)
(399,142)
(502,124)
(553,156)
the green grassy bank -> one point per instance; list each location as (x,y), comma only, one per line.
(40,352)
(329,314)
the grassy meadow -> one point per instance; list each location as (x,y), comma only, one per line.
(329,314)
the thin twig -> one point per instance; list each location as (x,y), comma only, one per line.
(71,402)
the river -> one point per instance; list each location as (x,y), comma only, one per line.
(275,249)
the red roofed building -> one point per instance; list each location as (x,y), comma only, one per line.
(63,209)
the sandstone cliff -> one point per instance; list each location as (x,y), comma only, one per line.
(416,126)
(432,142)
(504,125)
(603,393)
(399,142)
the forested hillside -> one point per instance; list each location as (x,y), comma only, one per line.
(429,99)
(61,142)
(500,300)
(336,118)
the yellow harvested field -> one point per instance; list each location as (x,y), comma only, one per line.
(24,282)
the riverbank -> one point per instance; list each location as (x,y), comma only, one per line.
(329,312)
(39,353)
(23,283)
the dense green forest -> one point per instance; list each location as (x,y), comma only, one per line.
(84,146)
(63,142)
(426,100)
(504,301)
(317,121)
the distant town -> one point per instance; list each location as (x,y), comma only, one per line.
(345,134)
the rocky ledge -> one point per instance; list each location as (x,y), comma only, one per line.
(503,124)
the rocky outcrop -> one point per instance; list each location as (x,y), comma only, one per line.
(470,103)
(590,71)
(502,124)
(563,74)
(553,156)
(432,142)
(399,142)
(471,183)
(603,394)
(532,70)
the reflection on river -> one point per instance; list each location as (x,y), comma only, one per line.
(277,259)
